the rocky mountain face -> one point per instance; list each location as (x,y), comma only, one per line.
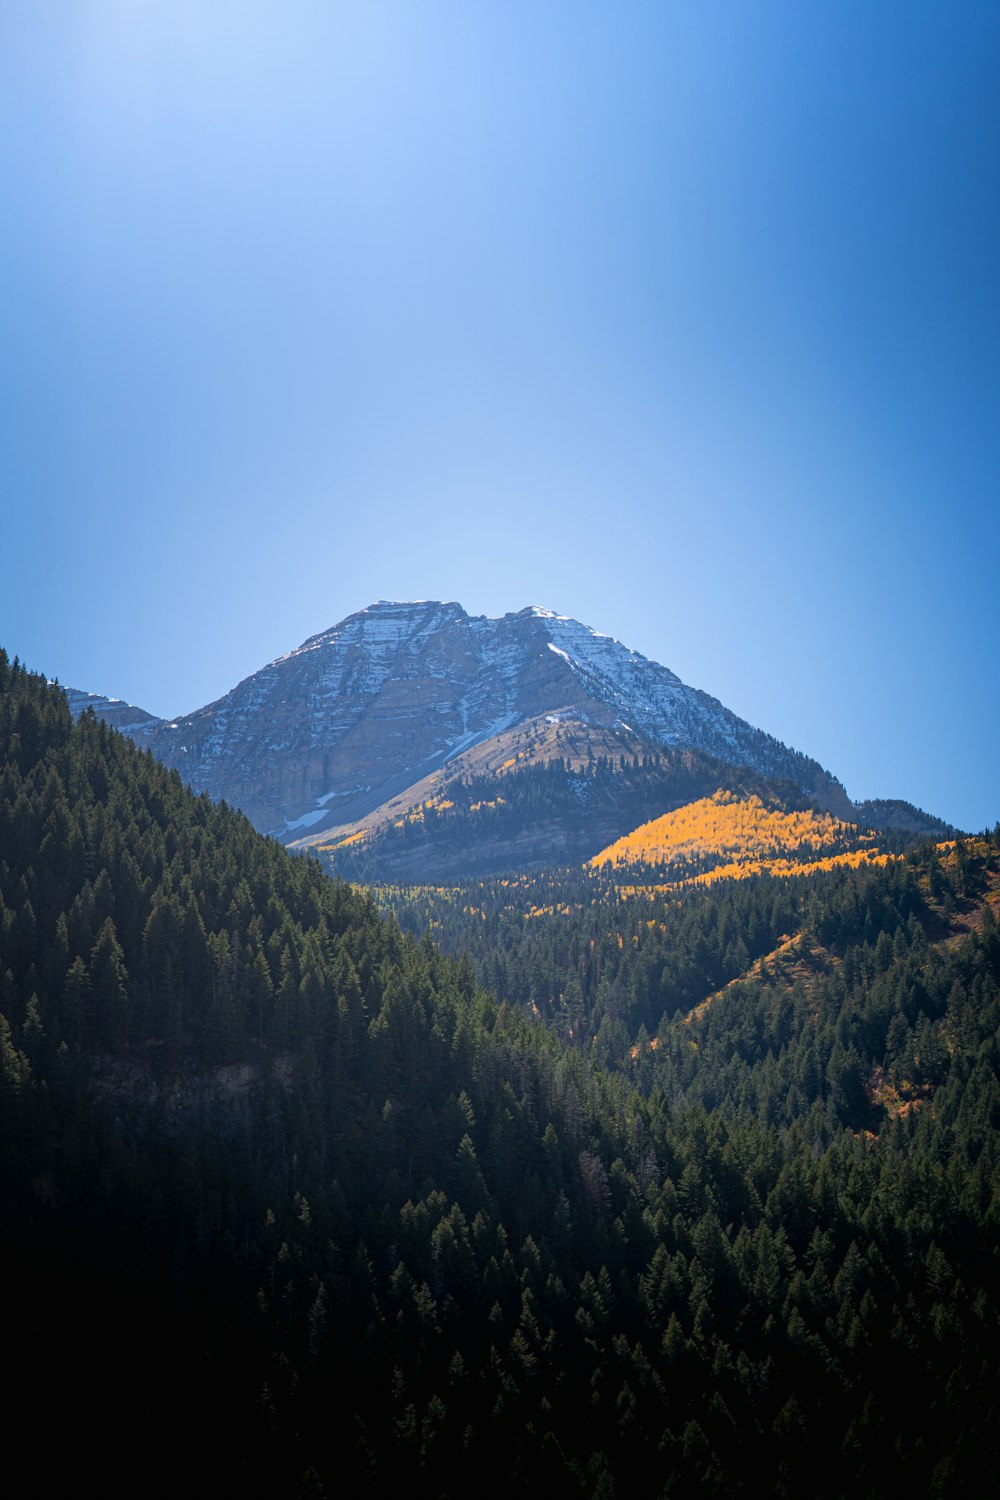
(357,716)
(135,722)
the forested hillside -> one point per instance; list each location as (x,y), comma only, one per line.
(729,836)
(538,815)
(326,1208)
(680,809)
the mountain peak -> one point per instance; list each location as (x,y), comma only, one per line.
(363,712)
(409,606)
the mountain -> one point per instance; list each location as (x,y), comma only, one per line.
(135,722)
(372,720)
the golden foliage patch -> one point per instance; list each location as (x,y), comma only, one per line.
(740,836)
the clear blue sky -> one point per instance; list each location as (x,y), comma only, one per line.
(683,319)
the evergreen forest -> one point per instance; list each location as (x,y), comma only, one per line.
(567,1184)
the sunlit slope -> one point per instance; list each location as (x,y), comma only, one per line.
(541,741)
(729,836)
(544,793)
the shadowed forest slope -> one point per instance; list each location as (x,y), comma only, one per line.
(257,1146)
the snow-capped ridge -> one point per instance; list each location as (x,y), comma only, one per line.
(357,713)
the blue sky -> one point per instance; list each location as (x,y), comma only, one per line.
(683,319)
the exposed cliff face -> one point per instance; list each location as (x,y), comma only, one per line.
(357,715)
